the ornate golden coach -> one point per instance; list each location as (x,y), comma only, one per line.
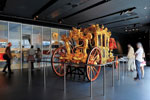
(91,45)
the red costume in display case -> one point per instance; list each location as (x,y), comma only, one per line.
(2,52)
(112,44)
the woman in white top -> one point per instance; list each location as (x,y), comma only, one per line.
(138,60)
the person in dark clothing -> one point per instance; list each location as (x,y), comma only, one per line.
(8,62)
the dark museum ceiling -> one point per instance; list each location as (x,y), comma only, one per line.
(120,16)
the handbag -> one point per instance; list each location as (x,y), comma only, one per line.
(5,56)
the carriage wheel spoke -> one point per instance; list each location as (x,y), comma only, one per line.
(93,72)
(61,69)
(95,51)
(57,67)
(95,69)
(95,57)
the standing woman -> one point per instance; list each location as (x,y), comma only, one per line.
(131,58)
(143,63)
(138,60)
(38,56)
(31,58)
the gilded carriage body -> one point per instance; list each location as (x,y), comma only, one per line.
(91,45)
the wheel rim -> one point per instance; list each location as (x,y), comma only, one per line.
(58,68)
(93,58)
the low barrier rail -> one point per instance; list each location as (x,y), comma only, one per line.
(81,64)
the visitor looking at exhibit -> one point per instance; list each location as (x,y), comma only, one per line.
(131,58)
(139,59)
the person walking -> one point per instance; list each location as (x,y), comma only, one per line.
(131,58)
(39,57)
(31,58)
(139,59)
(8,60)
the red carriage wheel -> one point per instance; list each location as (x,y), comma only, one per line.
(58,68)
(93,58)
(117,62)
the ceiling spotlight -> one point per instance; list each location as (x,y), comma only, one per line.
(60,21)
(137,29)
(34,18)
(126,30)
(145,7)
(121,13)
(133,29)
(127,12)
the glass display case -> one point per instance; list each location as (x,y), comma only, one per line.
(15,39)
(3,39)
(22,36)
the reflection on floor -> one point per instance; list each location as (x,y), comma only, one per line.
(22,87)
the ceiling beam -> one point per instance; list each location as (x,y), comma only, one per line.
(87,8)
(47,5)
(124,25)
(121,20)
(34,22)
(118,12)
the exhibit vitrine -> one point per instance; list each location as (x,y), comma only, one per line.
(22,37)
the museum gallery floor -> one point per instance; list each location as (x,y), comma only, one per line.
(22,87)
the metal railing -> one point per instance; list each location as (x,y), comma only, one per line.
(91,89)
